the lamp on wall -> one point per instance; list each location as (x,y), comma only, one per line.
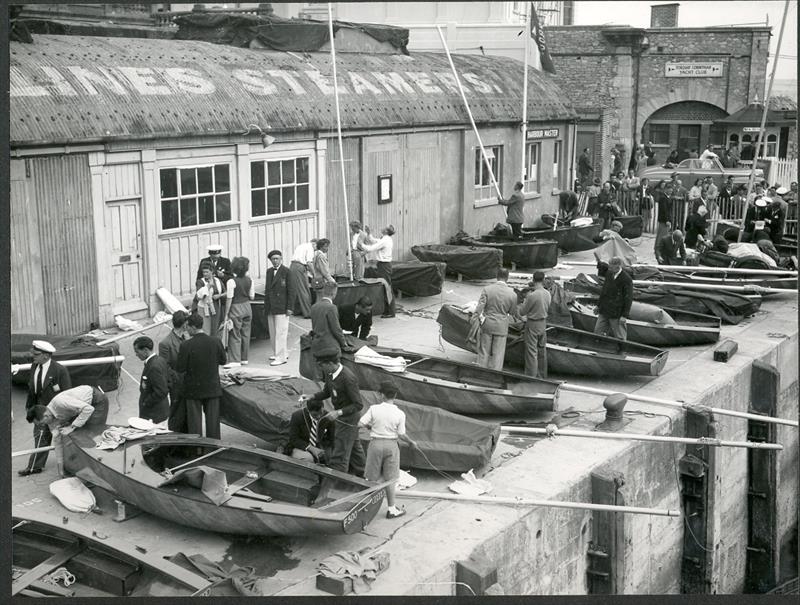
(266,140)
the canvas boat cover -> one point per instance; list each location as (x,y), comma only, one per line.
(105,376)
(615,247)
(731,308)
(449,442)
(473,262)
(415,278)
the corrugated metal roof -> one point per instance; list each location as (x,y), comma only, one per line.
(73,88)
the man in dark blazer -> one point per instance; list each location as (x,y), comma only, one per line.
(310,434)
(341,385)
(279,300)
(199,359)
(670,249)
(327,337)
(357,318)
(614,305)
(154,387)
(220,264)
(168,350)
(48,378)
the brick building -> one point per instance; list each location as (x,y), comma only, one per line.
(666,84)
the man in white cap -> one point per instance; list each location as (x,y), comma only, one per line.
(220,264)
(754,218)
(48,378)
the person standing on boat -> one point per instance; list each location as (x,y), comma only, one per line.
(279,296)
(341,385)
(534,310)
(154,387)
(48,378)
(199,359)
(79,406)
(310,434)
(515,214)
(299,274)
(497,302)
(327,337)
(168,350)
(614,304)
(387,424)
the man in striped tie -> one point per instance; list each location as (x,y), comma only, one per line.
(310,433)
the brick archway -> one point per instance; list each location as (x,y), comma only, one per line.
(691,92)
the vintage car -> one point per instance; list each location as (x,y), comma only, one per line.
(693,169)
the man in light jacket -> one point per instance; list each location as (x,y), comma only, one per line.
(496,303)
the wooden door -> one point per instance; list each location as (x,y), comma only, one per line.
(383,156)
(124,235)
(422,194)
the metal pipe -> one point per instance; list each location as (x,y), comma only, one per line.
(67,363)
(697,268)
(758,151)
(567,386)
(639,437)
(341,147)
(754,288)
(526,33)
(34,450)
(662,512)
(469,111)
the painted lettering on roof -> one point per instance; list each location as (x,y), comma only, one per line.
(124,80)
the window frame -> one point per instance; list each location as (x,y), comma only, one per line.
(279,159)
(558,152)
(488,198)
(198,226)
(651,135)
(538,180)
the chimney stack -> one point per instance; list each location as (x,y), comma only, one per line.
(664,15)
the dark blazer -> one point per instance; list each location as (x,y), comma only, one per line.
(222,263)
(326,332)
(300,430)
(667,248)
(279,293)
(168,350)
(344,394)
(56,379)
(616,296)
(359,326)
(198,360)
(695,225)
(153,389)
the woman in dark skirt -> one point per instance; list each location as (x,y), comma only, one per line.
(383,247)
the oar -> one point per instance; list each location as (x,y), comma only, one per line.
(132,332)
(505,501)
(35,450)
(525,430)
(567,386)
(67,363)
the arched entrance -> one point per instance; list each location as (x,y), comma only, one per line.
(684,125)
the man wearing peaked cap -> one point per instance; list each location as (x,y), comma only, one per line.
(221,265)
(47,379)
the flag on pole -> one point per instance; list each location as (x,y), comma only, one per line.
(537,33)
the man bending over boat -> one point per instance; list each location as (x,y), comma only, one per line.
(310,434)
(386,423)
(341,385)
(79,406)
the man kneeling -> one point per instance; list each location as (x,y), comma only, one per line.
(310,434)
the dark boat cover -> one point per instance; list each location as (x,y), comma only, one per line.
(449,442)
(415,278)
(350,292)
(473,262)
(105,376)
(731,308)
(632,226)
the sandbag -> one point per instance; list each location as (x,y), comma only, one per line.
(650,314)
(73,495)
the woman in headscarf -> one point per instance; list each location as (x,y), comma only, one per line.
(384,247)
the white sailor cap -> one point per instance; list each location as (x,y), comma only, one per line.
(781,190)
(762,202)
(214,248)
(43,346)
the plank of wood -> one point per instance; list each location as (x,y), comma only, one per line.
(51,563)
(247,493)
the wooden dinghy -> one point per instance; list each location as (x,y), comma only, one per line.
(568,238)
(470,262)
(569,351)
(210,485)
(689,328)
(101,566)
(462,388)
(530,254)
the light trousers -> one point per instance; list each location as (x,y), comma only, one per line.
(491,351)
(279,335)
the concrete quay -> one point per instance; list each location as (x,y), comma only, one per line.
(535,550)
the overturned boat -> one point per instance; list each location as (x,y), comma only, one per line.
(472,262)
(526,253)
(568,238)
(218,487)
(44,548)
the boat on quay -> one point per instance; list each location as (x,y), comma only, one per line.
(526,253)
(569,238)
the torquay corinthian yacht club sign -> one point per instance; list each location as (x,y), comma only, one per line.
(693,70)
(74,80)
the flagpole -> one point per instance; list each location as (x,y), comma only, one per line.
(341,147)
(527,34)
(757,153)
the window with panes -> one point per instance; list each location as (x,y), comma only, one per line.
(196,196)
(557,165)
(483,181)
(532,154)
(279,186)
